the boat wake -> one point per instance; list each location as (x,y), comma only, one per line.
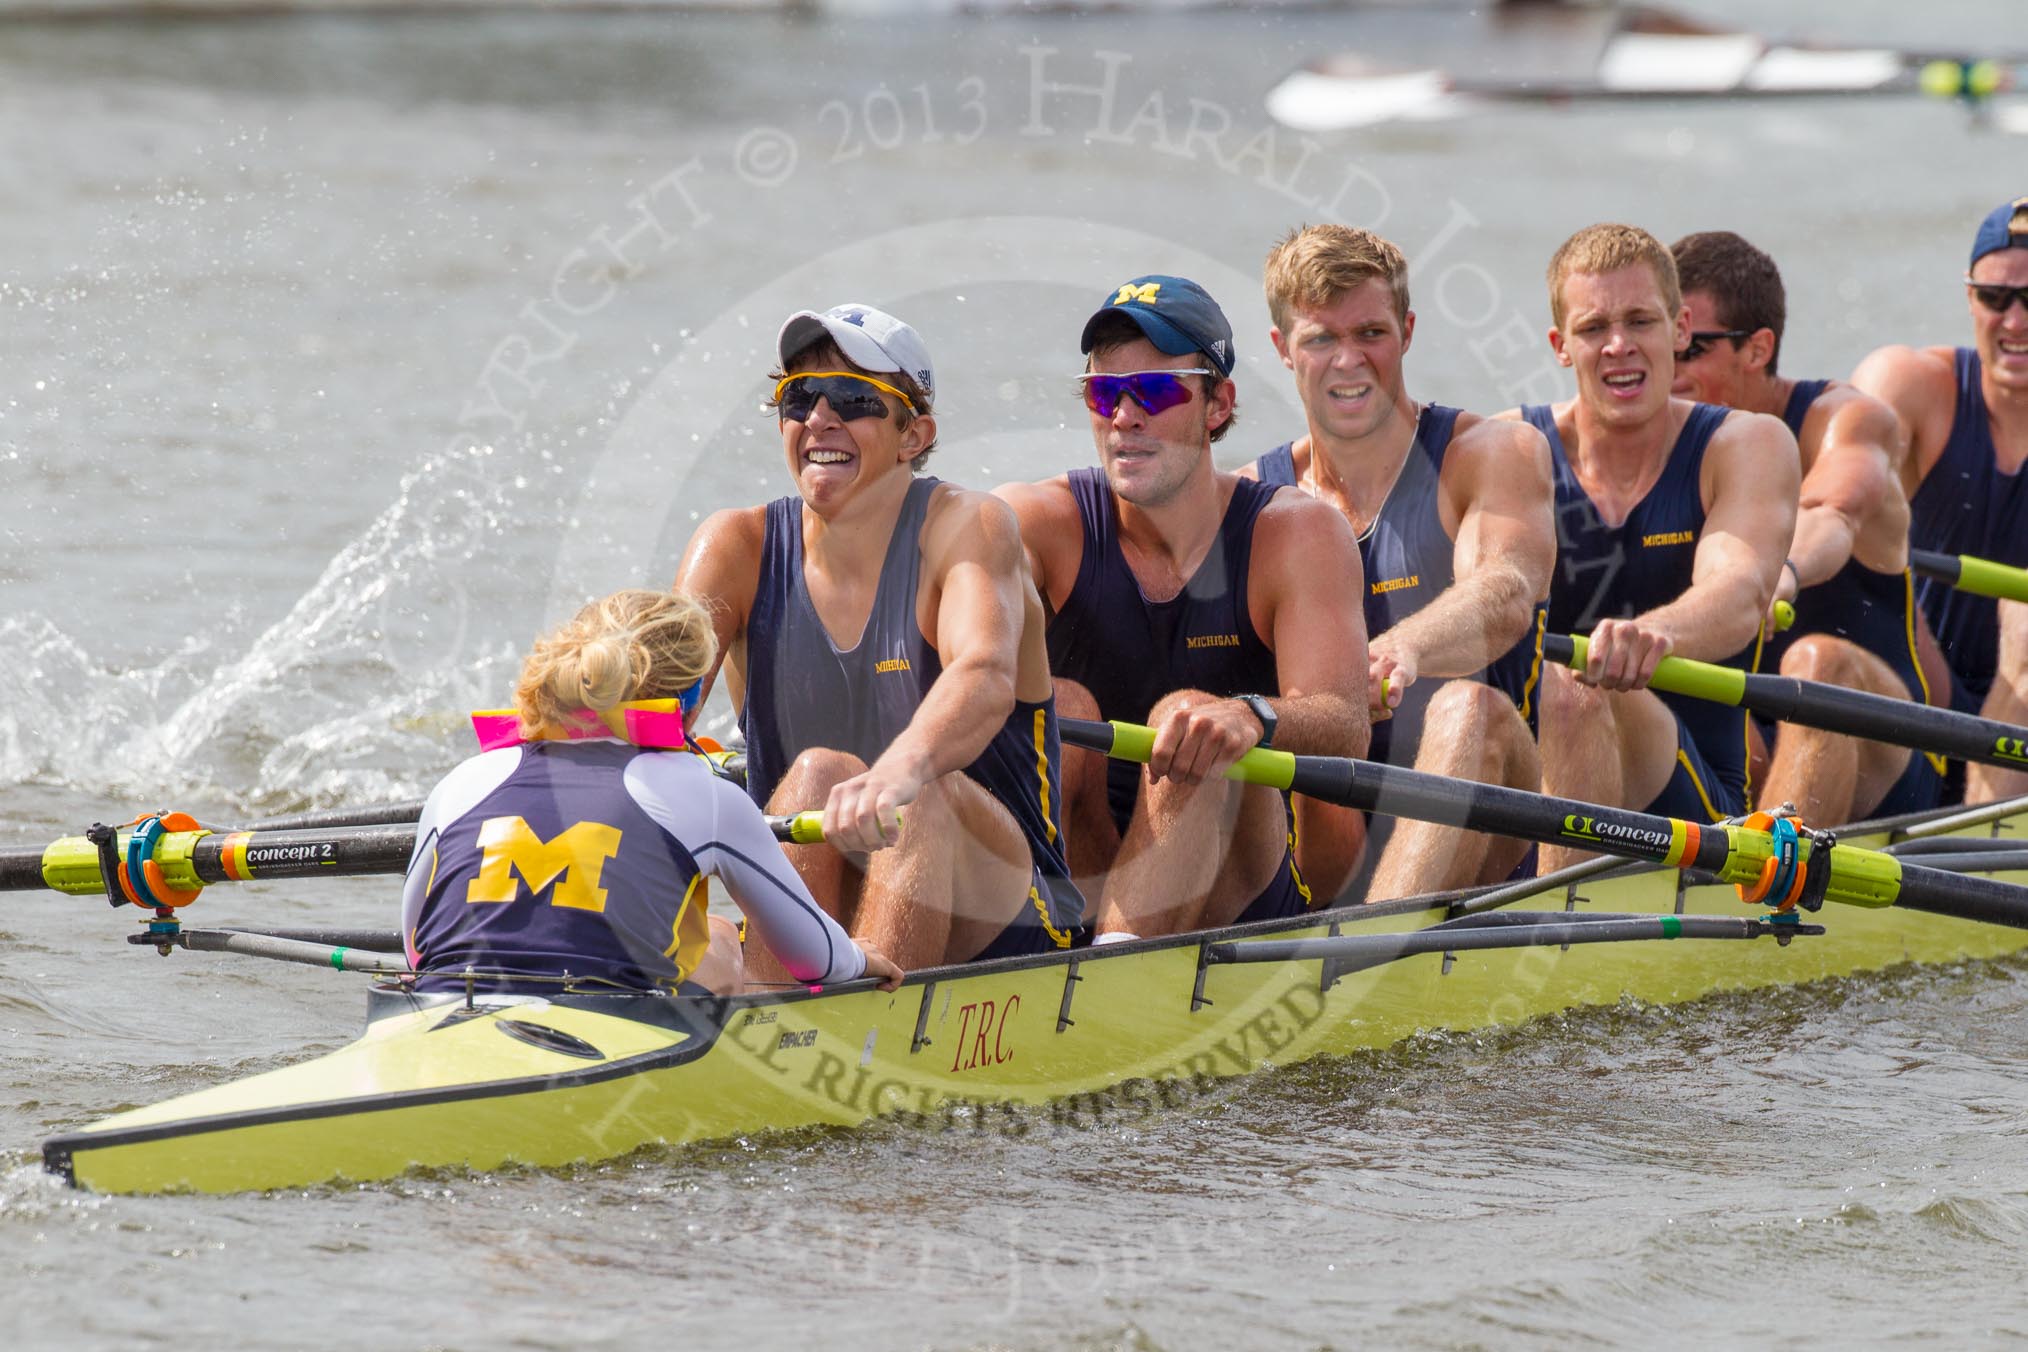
(357,693)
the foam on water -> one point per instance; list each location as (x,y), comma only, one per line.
(346,698)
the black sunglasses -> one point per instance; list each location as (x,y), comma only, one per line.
(1998,299)
(851,396)
(1702,339)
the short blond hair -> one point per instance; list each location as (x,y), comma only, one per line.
(634,644)
(1608,248)
(1314,265)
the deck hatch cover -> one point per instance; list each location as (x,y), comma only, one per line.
(549,1039)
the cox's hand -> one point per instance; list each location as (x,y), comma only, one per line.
(1388,677)
(1624,654)
(1198,742)
(878,964)
(863,813)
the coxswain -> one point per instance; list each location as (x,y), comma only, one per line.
(579,841)
(884,648)
(1673,519)
(1454,514)
(1219,610)
(1847,569)
(1964,414)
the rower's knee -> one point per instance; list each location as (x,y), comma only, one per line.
(1474,730)
(1567,700)
(1824,658)
(812,776)
(1177,700)
(1470,709)
(1074,701)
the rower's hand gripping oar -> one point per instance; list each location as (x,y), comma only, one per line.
(1855,713)
(1779,864)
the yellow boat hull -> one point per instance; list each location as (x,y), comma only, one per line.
(1126,1029)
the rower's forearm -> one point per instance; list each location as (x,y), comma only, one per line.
(1323,724)
(956,721)
(1823,545)
(1711,622)
(1467,627)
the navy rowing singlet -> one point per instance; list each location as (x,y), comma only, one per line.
(803,691)
(1408,562)
(1875,610)
(1130,651)
(1966,505)
(1617,572)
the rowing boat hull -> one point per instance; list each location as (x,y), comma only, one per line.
(1109,1032)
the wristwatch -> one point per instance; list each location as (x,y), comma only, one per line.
(1265,712)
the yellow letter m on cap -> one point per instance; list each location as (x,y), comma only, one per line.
(1144,293)
(573,861)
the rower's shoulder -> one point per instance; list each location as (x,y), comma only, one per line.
(727,547)
(1747,429)
(1499,440)
(734,525)
(1904,376)
(1559,413)
(1040,495)
(1295,520)
(971,521)
(1846,414)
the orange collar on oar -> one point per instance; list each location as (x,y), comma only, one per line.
(141,881)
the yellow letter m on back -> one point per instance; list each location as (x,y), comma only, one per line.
(573,861)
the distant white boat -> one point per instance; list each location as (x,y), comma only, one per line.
(1571,53)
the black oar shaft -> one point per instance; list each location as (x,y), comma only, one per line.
(1855,713)
(334,853)
(188,859)
(1396,792)
(1872,878)
(380,814)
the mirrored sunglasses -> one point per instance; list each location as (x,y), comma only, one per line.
(1155,391)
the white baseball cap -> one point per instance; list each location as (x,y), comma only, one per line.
(871,339)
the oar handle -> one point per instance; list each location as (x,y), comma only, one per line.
(1677,675)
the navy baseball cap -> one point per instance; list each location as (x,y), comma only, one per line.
(2005,227)
(1175,314)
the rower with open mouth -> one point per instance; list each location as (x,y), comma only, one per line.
(1847,570)
(1673,519)
(1213,607)
(886,654)
(1454,514)
(1964,413)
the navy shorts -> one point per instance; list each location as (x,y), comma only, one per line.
(1287,895)
(1032,931)
(1694,791)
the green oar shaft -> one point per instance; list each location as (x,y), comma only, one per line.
(190,859)
(1786,699)
(1981,577)
(1734,853)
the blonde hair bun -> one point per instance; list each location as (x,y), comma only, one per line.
(635,644)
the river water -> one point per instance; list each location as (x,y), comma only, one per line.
(341,353)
